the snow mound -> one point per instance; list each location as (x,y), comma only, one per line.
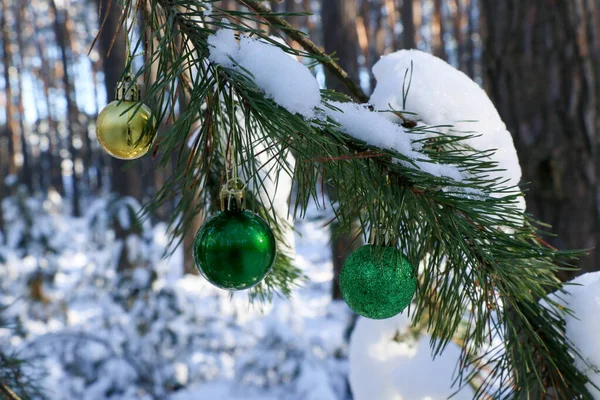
(582,328)
(385,369)
(152,332)
(441,95)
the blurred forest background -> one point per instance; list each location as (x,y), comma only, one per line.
(146,331)
(537,59)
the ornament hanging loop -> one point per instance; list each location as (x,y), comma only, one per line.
(380,234)
(233,195)
(128,89)
(380,237)
(129,31)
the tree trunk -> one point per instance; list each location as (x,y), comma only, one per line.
(50,159)
(408,25)
(95,158)
(13,138)
(4,157)
(438,31)
(470,44)
(457,16)
(372,20)
(539,68)
(7,159)
(26,171)
(64,45)
(340,37)
(390,8)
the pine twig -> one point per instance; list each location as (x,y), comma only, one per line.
(7,392)
(513,267)
(309,46)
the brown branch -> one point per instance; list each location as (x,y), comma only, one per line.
(366,154)
(309,46)
(7,393)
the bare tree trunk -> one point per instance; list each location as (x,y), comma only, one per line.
(189,264)
(62,39)
(540,68)
(7,160)
(375,33)
(82,155)
(340,36)
(53,154)
(14,140)
(4,157)
(470,45)
(96,158)
(417,20)
(26,171)
(408,25)
(392,14)
(50,159)
(458,34)
(438,31)
(310,25)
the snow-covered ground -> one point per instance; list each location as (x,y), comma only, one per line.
(158,334)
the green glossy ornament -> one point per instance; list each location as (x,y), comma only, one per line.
(234,249)
(377,282)
(125,127)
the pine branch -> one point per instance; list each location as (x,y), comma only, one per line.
(7,393)
(470,267)
(16,381)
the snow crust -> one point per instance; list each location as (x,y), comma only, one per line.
(282,78)
(583,298)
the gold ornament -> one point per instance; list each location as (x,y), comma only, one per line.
(125,127)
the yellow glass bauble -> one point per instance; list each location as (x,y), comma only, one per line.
(125,129)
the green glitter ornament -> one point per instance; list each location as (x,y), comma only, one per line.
(234,249)
(377,282)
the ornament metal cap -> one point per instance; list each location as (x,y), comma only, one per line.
(381,237)
(128,89)
(232,195)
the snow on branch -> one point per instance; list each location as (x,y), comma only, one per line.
(440,95)
(370,127)
(284,80)
(291,85)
